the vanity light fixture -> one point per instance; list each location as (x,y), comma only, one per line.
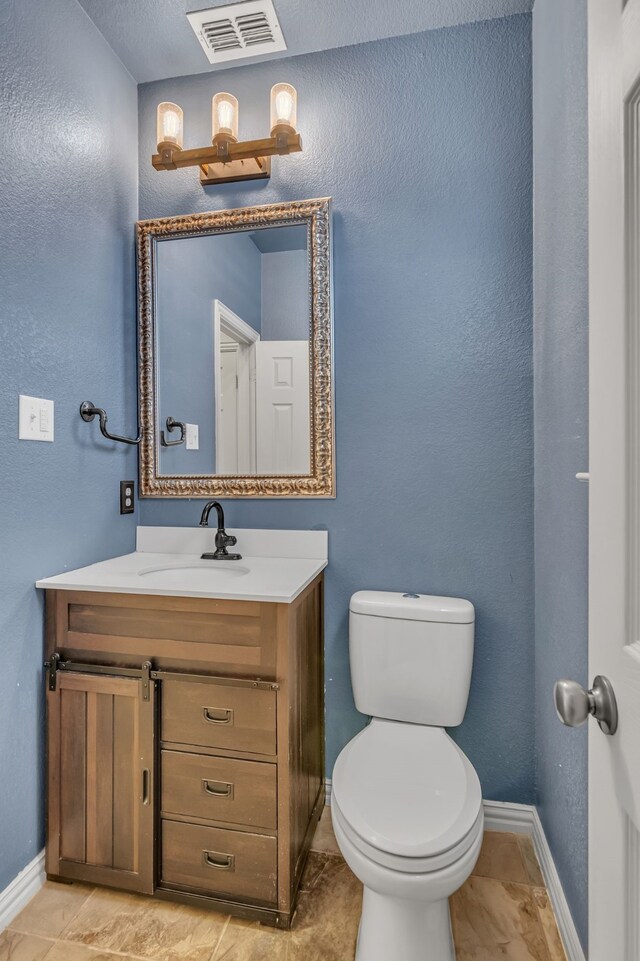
(229,159)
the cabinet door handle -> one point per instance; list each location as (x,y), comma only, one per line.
(217,788)
(218,715)
(221,862)
(146,784)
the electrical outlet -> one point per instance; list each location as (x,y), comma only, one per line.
(127,497)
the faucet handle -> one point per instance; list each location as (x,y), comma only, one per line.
(230,540)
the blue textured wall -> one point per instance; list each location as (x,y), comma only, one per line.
(68,197)
(285,295)
(192,273)
(433,340)
(561,408)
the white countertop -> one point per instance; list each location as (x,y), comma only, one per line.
(179,571)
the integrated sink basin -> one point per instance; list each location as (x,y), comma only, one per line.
(276,566)
(193,576)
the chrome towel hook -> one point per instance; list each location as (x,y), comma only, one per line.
(88,411)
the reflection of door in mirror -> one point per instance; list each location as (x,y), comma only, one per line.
(282,396)
(235,392)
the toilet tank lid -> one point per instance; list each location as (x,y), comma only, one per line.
(413,607)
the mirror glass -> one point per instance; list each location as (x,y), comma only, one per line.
(232,329)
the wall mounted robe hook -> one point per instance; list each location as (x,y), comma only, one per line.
(88,411)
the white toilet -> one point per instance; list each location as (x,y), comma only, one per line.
(406,802)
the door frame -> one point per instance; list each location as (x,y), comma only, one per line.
(226,321)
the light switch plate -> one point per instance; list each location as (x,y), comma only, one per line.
(192,441)
(35,421)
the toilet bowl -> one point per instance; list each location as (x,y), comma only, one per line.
(406,801)
(407,815)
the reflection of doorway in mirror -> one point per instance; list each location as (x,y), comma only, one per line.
(282,407)
(235,392)
(228,440)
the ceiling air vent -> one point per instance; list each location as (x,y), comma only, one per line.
(238,30)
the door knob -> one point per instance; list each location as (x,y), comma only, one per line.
(574,704)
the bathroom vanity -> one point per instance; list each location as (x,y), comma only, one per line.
(185,688)
(185,720)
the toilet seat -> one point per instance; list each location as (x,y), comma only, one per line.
(407,796)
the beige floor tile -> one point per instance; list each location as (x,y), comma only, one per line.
(501,858)
(325,926)
(549,925)
(51,910)
(493,917)
(252,941)
(105,919)
(158,930)
(67,951)
(531,861)
(316,863)
(325,839)
(497,919)
(15,946)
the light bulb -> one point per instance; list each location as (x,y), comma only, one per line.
(224,117)
(169,130)
(284,106)
(283,109)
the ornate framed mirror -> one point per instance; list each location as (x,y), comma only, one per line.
(236,353)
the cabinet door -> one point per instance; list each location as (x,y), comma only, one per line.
(101,781)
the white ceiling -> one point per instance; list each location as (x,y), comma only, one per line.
(154,40)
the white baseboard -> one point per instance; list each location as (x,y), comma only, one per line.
(515,818)
(327,790)
(20,891)
(557,897)
(524,819)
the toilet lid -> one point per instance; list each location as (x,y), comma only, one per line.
(407,789)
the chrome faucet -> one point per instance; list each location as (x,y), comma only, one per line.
(223,540)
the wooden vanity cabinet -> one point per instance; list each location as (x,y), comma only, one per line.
(185,746)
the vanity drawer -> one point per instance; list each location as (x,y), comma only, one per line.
(223,863)
(219,714)
(219,788)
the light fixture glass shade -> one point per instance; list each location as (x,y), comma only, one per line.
(224,117)
(284,108)
(170,125)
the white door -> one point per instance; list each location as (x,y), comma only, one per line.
(282,407)
(614,465)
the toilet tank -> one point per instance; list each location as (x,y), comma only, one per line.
(411,656)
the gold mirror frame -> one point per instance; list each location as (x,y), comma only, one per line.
(320,482)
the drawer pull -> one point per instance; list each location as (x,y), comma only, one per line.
(217,788)
(146,784)
(221,862)
(218,715)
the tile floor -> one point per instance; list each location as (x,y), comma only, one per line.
(502,912)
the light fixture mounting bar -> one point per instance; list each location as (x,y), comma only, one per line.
(230,154)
